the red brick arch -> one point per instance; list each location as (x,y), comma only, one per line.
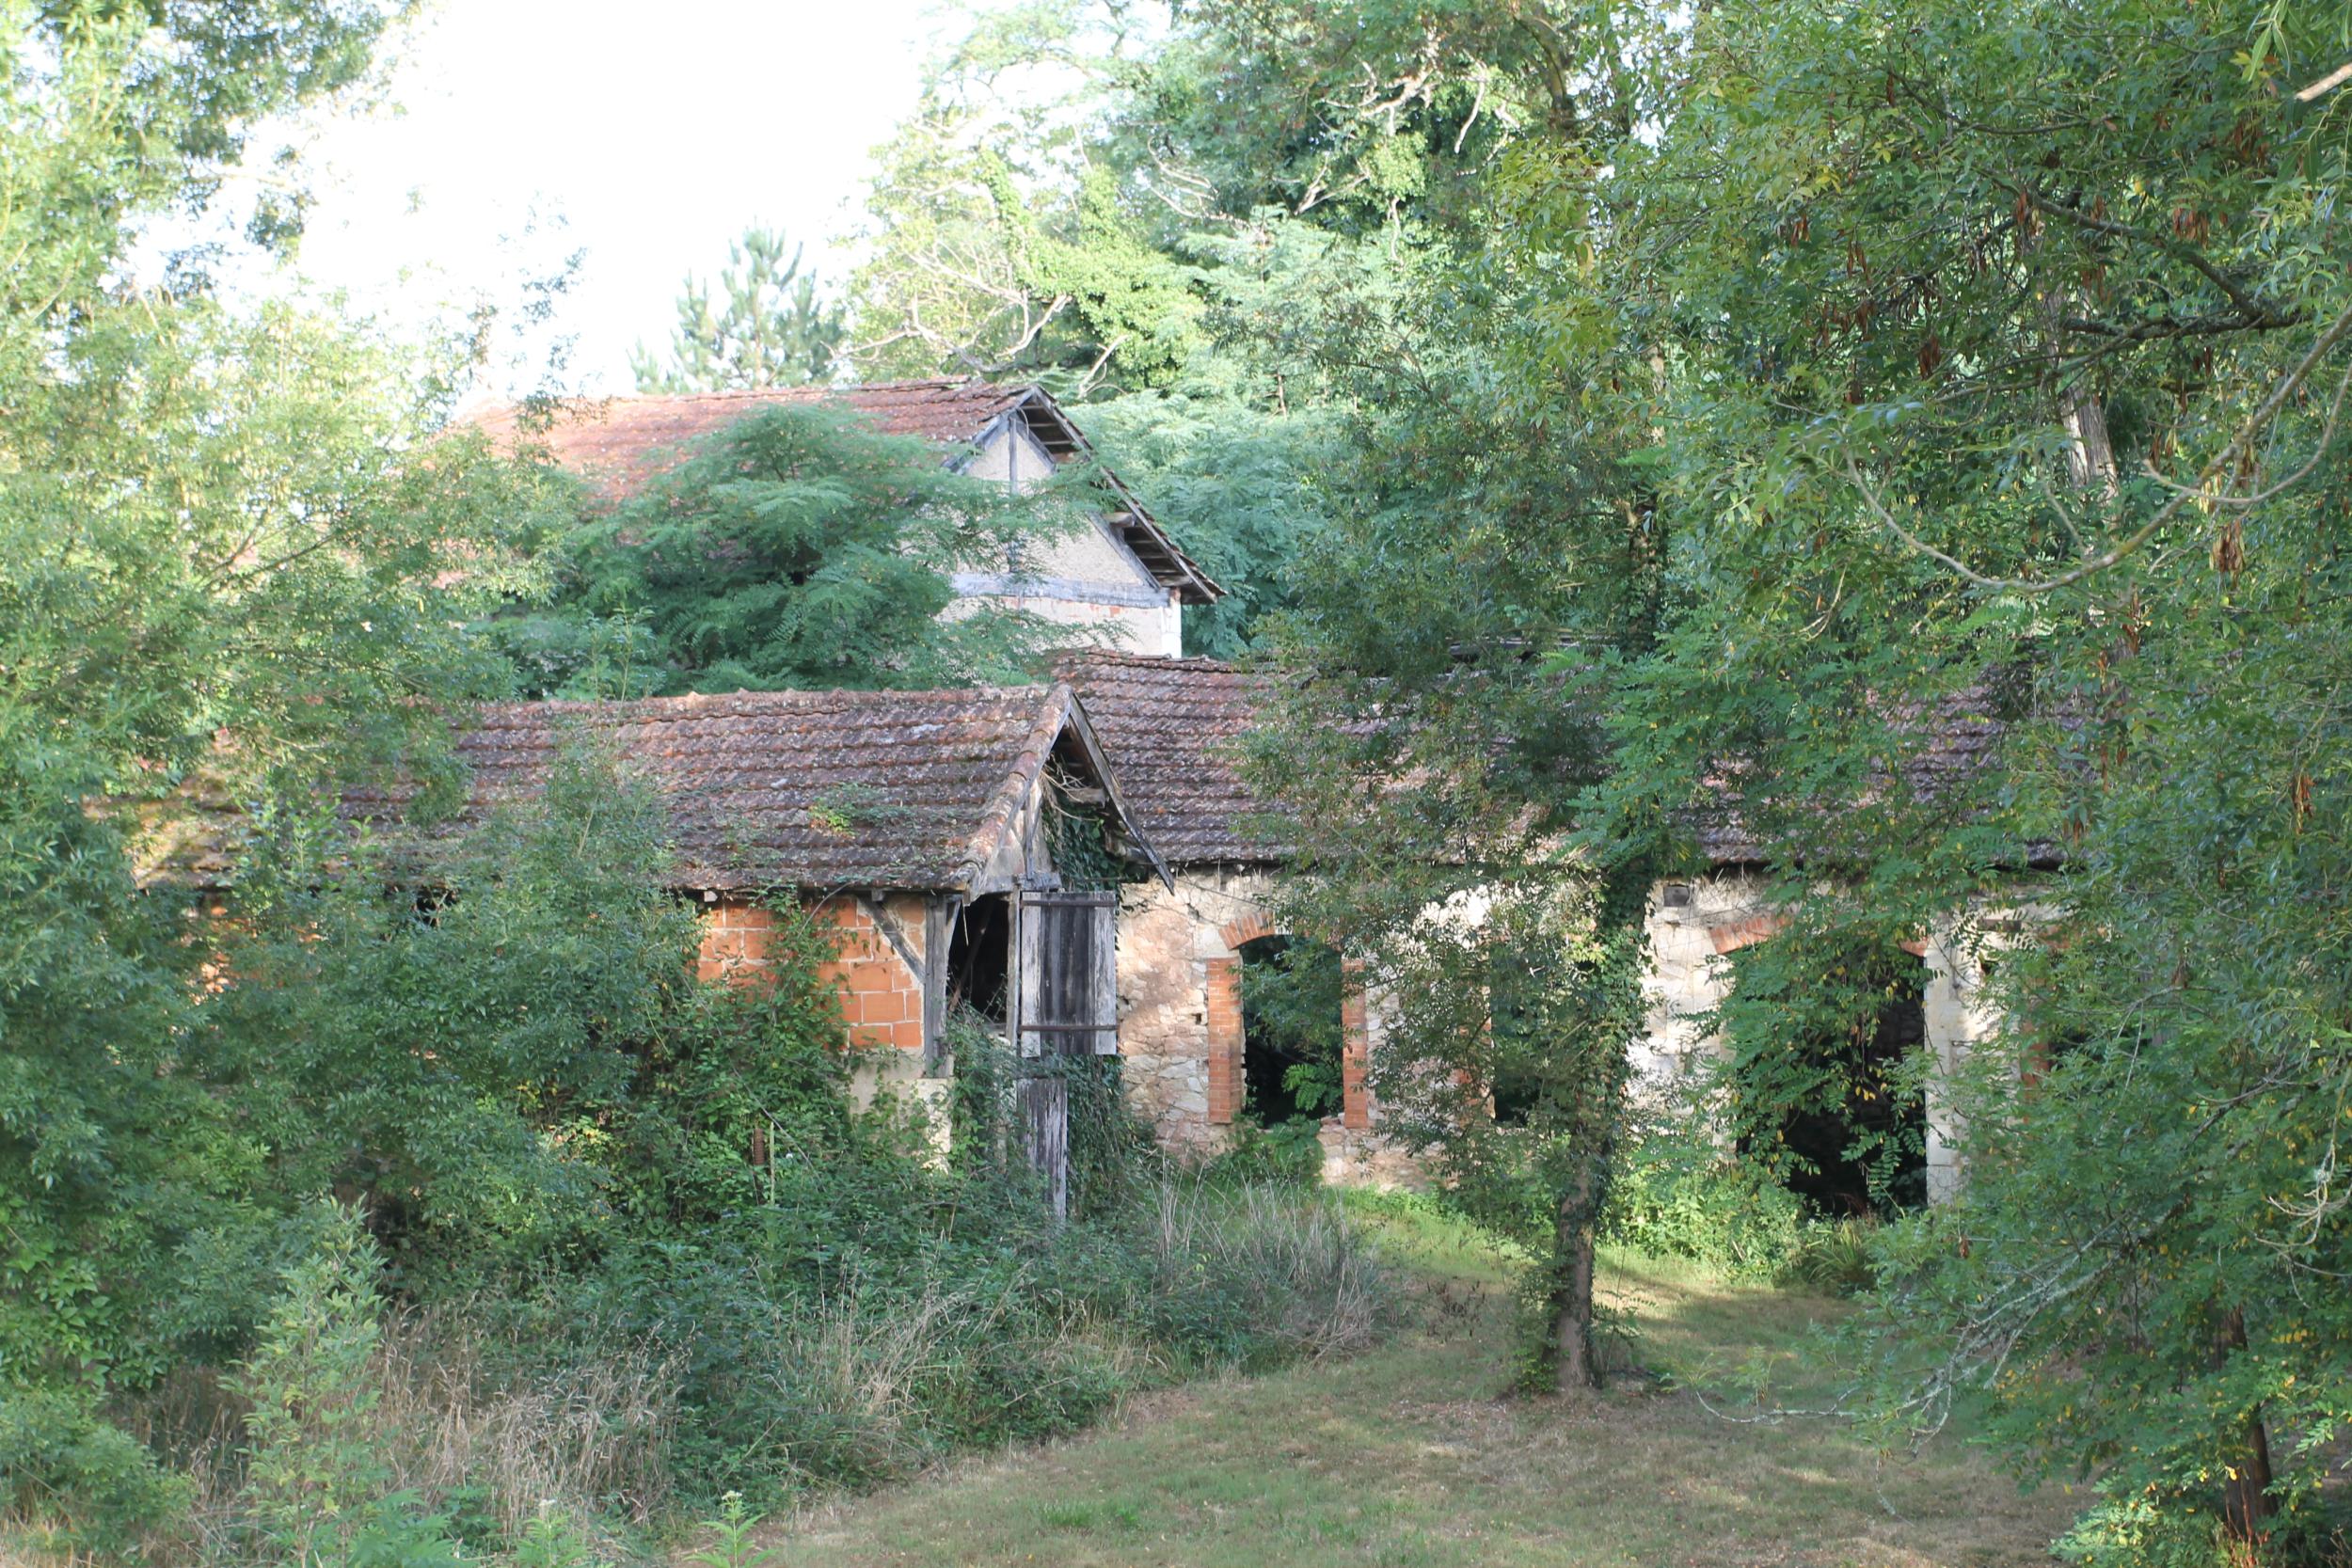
(1242,929)
(1223,1015)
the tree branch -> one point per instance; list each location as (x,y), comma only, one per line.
(2222,462)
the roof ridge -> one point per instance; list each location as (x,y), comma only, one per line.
(812,390)
(625,706)
(1156,662)
(1003,806)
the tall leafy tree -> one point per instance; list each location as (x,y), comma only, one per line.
(770,329)
(1435,753)
(797,547)
(223,577)
(1996,356)
(1131,212)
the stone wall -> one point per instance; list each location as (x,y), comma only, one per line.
(1180,1025)
(1960,956)
(1692,926)
(1166,943)
(1695,926)
(1180,1021)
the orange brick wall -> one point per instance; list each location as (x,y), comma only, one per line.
(881,998)
(1225,1041)
(1355,1050)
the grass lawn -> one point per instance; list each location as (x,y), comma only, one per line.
(1411,1456)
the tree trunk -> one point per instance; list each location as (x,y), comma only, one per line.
(2090,454)
(1608,1015)
(2246,1495)
(1576,1366)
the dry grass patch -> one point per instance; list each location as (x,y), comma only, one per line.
(1410,1455)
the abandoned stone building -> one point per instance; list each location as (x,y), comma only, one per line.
(1171,728)
(1146,735)
(919,827)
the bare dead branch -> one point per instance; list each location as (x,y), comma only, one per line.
(2328,83)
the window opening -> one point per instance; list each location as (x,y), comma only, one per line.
(980,957)
(1291,1032)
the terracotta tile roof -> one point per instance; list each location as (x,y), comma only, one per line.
(1955,744)
(814,789)
(1169,727)
(620,443)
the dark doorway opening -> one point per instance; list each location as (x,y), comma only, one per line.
(1864,1150)
(1291,1030)
(980,957)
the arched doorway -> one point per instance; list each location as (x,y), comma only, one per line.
(1320,990)
(1294,1030)
(1864,1151)
(1827,1034)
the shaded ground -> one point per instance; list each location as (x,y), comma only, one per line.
(1408,1457)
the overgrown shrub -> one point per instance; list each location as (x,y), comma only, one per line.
(613,1244)
(1288,1152)
(1837,1257)
(1678,1195)
(1257,1273)
(2129,1529)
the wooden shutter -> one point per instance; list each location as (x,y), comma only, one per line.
(1065,1005)
(1069,973)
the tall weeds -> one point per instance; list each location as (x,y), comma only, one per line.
(1285,1264)
(442,1413)
(477,1425)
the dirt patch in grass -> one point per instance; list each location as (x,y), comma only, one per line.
(1411,1456)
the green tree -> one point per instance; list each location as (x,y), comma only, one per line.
(770,329)
(799,547)
(223,577)
(1434,761)
(1996,358)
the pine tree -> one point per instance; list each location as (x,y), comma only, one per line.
(771,328)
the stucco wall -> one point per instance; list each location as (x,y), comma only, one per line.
(1083,576)
(1157,628)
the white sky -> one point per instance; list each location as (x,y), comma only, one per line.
(655,134)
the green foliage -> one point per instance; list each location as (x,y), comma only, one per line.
(1984,358)
(552,1541)
(731,1538)
(606,1208)
(1235,481)
(796,548)
(1119,290)
(1803,1024)
(771,330)
(223,579)
(82,1480)
(1677,1195)
(1291,996)
(2138,1529)
(1288,1152)
(1836,1256)
(317,1488)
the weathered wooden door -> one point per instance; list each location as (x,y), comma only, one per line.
(1068,1007)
